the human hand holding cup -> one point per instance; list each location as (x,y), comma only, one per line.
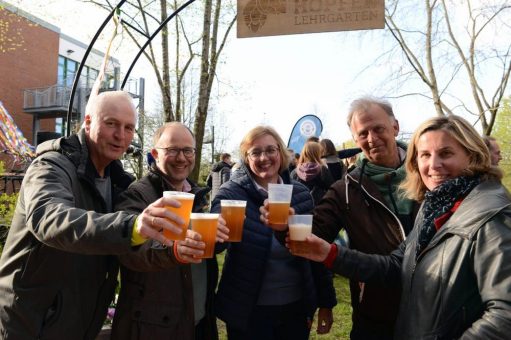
(317,249)
(191,249)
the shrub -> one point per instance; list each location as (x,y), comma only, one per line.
(7,205)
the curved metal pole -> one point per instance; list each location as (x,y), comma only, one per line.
(82,64)
(176,12)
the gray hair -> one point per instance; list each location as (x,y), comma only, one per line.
(364,104)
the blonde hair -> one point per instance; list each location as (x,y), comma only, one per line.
(465,134)
(311,152)
(258,132)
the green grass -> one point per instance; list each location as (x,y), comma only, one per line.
(342,312)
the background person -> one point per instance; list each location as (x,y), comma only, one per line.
(264,291)
(329,155)
(159,300)
(56,276)
(454,268)
(311,172)
(494,148)
(220,173)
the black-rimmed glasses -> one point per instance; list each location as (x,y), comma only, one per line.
(173,152)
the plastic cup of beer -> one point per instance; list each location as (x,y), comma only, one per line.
(300,226)
(206,224)
(183,211)
(233,213)
(279,199)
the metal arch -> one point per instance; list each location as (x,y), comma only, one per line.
(170,17)
(82,64)
(93,41)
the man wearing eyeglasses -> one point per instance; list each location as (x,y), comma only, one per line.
(159,300)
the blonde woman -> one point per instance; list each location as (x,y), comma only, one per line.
(265,292)
(455,266)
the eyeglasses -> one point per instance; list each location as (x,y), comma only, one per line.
(270,152)
(173,152)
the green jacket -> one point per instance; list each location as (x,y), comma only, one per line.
(57,277)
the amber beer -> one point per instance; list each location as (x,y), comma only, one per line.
(279,198)
(300,226)
(205,225)
(233,213)
(186,200)
(279,212)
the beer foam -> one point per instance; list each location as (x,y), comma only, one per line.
(203,216)
(179,195)
(299,231)
(233,203)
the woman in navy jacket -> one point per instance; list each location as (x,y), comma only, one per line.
(265,292)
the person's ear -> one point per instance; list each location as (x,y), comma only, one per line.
(154,153)
(396,127)
(87,122)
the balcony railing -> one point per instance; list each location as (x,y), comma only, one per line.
(54,97)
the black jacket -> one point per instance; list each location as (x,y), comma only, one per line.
(245,262)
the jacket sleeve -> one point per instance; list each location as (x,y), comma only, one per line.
(492,267)
(328,214)
(150,256)
(370,268)
(324,283)
(51,199)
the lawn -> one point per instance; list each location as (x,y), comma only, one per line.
(342,312)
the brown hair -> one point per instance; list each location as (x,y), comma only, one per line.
(465,134)
(260,131)
(328,148)
(311,152)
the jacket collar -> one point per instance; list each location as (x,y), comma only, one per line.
(484,202)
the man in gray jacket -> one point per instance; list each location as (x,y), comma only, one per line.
(57,275)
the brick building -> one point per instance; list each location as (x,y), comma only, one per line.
(37,68)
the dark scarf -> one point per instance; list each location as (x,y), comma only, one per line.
(438,202)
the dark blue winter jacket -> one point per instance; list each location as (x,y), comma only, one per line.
(245,262)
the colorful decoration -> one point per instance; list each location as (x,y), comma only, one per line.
(12,141)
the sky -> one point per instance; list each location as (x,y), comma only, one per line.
(274,80)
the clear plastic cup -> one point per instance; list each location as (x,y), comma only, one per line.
(300,226)
(183,211)
(279,200)
(233,212)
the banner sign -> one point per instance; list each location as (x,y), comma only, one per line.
(257,18)
(305,127)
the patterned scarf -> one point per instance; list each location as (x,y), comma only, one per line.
(438,202)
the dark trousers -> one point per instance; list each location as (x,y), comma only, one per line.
(275,323)
(360,333)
